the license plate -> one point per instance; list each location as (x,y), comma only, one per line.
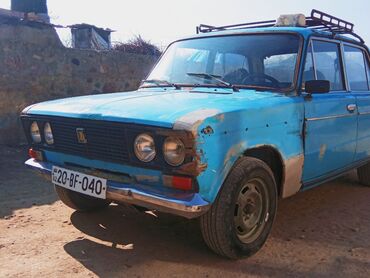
(79,182)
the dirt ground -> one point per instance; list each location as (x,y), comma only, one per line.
(324,232)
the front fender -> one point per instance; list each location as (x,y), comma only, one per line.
(223,138)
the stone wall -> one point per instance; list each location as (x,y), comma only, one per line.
(35,66)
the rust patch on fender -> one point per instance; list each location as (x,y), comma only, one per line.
(207,130)
(191,121)
(234,151)
(194,168)
(293,168)
(322,151)
(220,117)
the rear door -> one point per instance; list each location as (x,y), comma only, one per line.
(330,118)
(358,76)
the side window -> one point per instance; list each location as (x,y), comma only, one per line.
(328,64)
(309,71)
(355,68)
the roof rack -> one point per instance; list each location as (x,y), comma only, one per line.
(317,21)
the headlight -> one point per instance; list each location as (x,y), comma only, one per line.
(35,133)
(144,148)
(174,151)
(48,134)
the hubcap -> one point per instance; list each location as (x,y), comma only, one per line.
(251,210)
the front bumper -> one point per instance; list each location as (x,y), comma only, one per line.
(189,205)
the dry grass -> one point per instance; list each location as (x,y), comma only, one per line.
(138,46)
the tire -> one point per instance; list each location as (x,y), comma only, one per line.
(79,201)
(363,174)
(225,227)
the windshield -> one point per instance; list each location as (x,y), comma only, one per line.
(264,60)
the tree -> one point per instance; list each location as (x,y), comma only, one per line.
(28,6)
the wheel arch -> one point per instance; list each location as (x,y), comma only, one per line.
(273,158)
(287,171)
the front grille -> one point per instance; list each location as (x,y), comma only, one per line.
(105,140)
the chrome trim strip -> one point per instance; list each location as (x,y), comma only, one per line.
(189,205)
(364,113)
(330,117)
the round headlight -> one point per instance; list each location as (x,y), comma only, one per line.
(144,148)
(35,133)
(174,151)
(48,134)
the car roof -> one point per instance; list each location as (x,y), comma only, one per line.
(305,32)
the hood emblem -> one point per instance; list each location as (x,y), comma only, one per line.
(81,136)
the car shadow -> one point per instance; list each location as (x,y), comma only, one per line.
(120,239)
(21,187)
(123,240)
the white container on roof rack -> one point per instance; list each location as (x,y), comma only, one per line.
(291,20)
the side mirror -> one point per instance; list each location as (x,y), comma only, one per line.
(317,86)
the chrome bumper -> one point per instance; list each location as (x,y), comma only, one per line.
(189,205)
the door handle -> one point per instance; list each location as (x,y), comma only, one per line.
(351,108)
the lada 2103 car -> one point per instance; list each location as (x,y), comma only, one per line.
(228,122)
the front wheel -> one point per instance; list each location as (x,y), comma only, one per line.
(240,220)
(79,201)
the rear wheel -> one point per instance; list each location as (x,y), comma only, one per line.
(79,201)
(240,220)
(364,174)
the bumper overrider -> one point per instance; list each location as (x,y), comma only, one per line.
(189,205)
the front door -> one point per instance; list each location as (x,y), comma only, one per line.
(330,118)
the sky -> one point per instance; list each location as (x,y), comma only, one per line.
(162,21)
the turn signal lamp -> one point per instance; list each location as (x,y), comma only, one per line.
(182,183)
(35,154)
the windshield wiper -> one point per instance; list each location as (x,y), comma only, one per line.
(159,82)
(214,77)
(259,88)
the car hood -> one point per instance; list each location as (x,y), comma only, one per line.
(151,107)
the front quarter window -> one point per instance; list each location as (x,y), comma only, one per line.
(309,71)
(263,60)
